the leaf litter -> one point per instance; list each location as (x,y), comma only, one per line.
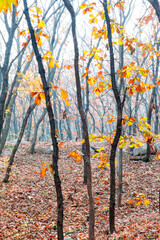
(28,208)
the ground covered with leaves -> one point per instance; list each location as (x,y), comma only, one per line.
(28,206)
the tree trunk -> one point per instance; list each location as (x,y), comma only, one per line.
(11,160)
(5,70)
(84,121)
(52,126)
(120,174)
(119,105)
(36,130)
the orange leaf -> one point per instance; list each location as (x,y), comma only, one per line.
(85,74)
(131,92)
(133,119)
(71,168)
(43,172)
(130,201)
(54,86)
(131,81)
(68,67)
(73,154)
(37,99)
(43,164)
(60,144)
(33,94)
(76,156)
(138,203)
(24,44)
(100,73)
(140,88)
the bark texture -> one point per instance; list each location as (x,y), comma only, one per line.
(52,126)
(84,121)
(119,105)
(11,160)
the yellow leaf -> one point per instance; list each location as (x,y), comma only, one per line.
(39,43)
(7,4)
(91,81)
(83,141)
(22,33)
(120,41)
(51,63)
(42,95)
(38,10)
(67,103)
(41,24)
(97,91)
(138,203)
(43,172)
(64,94)
(57,65)
(83,6)
(146,202)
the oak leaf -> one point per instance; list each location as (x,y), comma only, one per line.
(43,172)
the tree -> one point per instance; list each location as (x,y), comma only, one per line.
(119,123)
(52,126)
(84,121)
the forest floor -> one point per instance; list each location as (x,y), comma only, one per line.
(28,202)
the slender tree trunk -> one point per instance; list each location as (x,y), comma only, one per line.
(11,160)
(156,128)
(84,122)
(148,154)
(119,123)
(28,129)
(36,131)
(5,70)
(52,126)
(120,173)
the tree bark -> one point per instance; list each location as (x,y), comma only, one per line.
(11,160)
(84,121)
(36,130)
(52,126)
(5,70)
(119,123)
